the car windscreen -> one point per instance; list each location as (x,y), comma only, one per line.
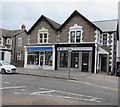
(4,63)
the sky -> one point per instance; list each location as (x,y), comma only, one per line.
(13,14)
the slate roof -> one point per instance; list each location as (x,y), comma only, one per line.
(52,23)
(9,33)
(107,25)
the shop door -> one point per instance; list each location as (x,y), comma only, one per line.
(41,60)
(85,60)
(103,63)
(75,60)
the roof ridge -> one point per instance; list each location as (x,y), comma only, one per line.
(105,20)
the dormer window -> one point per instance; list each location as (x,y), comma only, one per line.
(8,41)
(43,36)
(75,34)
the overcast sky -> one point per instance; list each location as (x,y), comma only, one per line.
(13,14)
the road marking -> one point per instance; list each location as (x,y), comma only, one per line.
(87,98)
(86,83)
(43,92)
(66,95)
(4,82)
(3,88)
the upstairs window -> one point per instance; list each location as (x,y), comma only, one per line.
(1,41)
(19,41)
(78,36)
(72,36)
(19,56)
(105,38)
(8,41)
(43,36)
(75,34)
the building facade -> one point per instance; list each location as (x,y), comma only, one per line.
(77,44)
(12,45)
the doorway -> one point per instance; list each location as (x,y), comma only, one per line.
(103,64)
(75,59)
(85,61)
(41,60)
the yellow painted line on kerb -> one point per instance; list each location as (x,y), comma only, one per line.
(86,83)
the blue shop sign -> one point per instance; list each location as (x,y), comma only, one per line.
(39,49)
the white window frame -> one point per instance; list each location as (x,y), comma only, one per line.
(20,42)
(42,32)
(75,28)
(1,41)
(8,41)
(19,56)
(106,40)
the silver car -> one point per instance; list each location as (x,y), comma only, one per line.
(5,67)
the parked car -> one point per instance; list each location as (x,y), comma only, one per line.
(5,67)
(118,71)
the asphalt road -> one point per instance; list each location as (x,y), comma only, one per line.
(18,89)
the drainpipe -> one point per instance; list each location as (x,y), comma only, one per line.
(14,48)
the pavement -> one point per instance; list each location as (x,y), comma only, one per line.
(64,74)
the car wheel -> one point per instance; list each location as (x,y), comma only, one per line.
(3,71)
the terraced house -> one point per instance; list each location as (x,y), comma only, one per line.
(78,43)
(12,45)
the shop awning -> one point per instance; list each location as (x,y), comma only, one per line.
(39,49)
(102,51)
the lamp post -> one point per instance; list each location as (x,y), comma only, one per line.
(69,61)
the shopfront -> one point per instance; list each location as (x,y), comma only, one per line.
(80,57)
(39,57)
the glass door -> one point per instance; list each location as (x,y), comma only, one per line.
(75,59)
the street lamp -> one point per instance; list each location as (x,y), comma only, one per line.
(69,60)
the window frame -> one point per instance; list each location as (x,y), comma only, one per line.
(75,29)
(8,41)
(19,56)
(1,41)
(43,39)
(106,39)
(19,42)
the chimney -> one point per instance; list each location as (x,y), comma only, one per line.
(23,27)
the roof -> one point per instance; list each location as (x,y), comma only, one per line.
(77,14)
(52,23)
(9,33)
(107,25)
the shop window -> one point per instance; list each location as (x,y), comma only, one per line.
(75,59)
(48,58)
(33,58)
(64,59)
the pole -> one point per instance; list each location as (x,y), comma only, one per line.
(69,61)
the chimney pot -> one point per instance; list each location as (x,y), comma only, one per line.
(23,27)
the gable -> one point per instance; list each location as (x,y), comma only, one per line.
(87,28)
(54,25)
(77,14)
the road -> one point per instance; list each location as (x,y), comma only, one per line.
(18,89)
